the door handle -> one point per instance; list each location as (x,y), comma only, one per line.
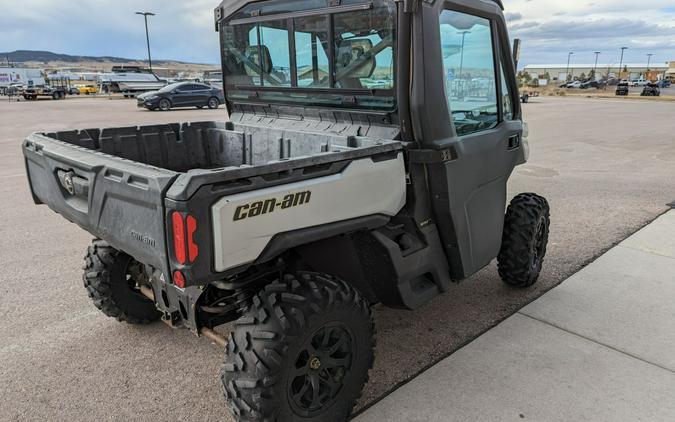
(514,142)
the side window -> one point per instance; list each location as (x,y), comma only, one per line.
(364,59)
(507,102)
(276,60)
(468,66)
(251,57)
(311,52)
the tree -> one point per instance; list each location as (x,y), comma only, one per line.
(582,76)
(547,76)
(591,75)
(524,77)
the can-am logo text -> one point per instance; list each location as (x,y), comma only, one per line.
(255,209)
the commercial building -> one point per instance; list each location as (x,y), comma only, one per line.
(558,72)
(670,73)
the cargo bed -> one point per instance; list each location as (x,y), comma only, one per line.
(116,183)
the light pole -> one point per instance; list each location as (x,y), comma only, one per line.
(461,60)
(147,34)
(621,62)
(595,68)
(649,60)
(567,72)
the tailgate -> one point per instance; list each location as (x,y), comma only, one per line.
(114,199)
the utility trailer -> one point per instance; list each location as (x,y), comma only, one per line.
(365,160)
(55,88)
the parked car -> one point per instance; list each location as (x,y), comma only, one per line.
(73,90)
(593,84)
(664,84)
(639,82)
(574,84)
(182,94)
(87,89)
(651,90)
(14,89)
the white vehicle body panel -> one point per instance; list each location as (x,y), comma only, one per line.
(18,75)
(141,86)
(363,188)
(133,81)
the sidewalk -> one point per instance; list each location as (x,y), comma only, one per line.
(599,347)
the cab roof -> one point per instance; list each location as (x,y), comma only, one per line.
(229,7)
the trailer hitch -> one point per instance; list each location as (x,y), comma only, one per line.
(204,331)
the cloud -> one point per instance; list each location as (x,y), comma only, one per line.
(513,16)
(183,30)
(549,33)
(593,29)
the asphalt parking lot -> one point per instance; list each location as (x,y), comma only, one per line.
(607,167)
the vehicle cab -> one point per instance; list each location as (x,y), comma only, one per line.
(437,76)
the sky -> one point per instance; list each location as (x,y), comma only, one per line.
(550,29)
(184,29)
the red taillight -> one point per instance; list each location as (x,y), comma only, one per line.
(193,249)
(178,237)
(179,279)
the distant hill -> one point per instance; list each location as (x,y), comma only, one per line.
(25,56)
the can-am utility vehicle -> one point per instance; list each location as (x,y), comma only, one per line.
(365,160)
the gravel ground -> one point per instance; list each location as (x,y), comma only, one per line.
(607,167)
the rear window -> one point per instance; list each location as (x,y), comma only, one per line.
(307,53)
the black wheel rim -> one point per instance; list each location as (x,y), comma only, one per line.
(320,369)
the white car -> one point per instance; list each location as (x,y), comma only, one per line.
(638,82)
(575,84)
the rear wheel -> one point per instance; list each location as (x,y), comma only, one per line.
(213,103)
(302,352)
(164,104)
(112,279)
(524,241)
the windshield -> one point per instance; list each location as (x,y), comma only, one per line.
(170,88)
(341,59)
